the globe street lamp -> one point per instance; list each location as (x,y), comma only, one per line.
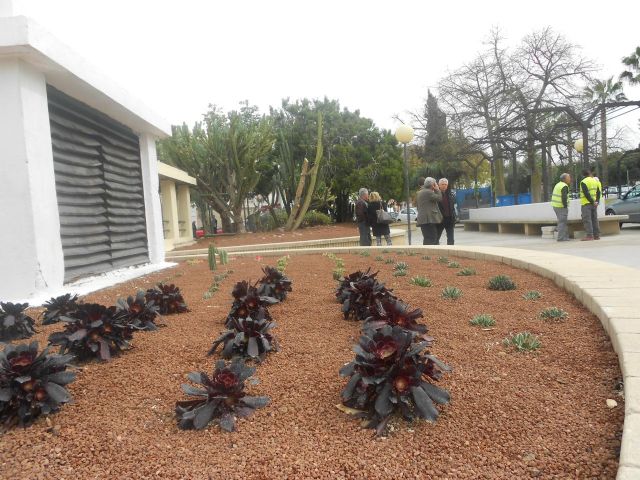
(404,134)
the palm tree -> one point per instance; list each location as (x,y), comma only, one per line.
(633,74)
(603,91)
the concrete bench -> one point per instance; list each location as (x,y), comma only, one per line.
(609,225)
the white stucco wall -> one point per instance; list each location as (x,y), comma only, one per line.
(151,184)
(532,211)
(30,245)
(31,252)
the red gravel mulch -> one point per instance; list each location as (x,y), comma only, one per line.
(276,236)
(512,415)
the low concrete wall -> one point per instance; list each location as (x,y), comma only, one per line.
(532,211)
(608,291)
(397,237)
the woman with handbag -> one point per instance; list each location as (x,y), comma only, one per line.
(379,218)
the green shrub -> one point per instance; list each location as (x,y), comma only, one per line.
(338,273)
(364,253)
(389,260)
(443,260)
(386,250)
(266,223)
(400,273)
(465,272)
(532,295)
(411,254)
(553,313)
(453,265)
(426,257)
(523,342)
(421,281)
(379,258)
(401,266)
(313,218)
(452,293)
(483,320)
(502,283)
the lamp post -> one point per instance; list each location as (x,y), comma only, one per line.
(404,134)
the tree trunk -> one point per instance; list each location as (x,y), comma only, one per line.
(296,203)
(237,219)
(603,130)
(226,222)
(535,172)
(545,173)
(314,175)
(498,165)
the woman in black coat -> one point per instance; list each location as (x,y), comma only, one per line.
(379,230)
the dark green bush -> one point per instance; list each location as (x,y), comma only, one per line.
(313,218)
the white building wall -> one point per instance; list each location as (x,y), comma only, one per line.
(30,241)
(151,184)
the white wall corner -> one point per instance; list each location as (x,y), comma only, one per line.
(151,184)
(30,246)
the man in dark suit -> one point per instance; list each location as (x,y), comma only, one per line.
(448,209)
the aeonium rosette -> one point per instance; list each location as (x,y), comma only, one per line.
(392,374)
(93,330)
(32,384)
(220,397)
(274,284)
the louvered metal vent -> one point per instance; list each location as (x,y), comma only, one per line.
(99,189)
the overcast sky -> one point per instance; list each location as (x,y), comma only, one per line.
(378,57)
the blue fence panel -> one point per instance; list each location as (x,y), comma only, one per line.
(507,200)
(465,197)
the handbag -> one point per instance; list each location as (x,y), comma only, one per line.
(383,217)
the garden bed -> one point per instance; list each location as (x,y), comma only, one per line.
(512,415)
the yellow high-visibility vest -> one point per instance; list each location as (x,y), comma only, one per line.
(556,196)
(592,186)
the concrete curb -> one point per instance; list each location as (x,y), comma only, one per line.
(397,236)
(609,291)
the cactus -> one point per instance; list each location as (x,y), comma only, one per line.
(212,258)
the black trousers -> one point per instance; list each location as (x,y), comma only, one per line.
(447,224)
(429,233)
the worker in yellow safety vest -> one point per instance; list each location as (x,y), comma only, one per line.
(590,193)
(560,204)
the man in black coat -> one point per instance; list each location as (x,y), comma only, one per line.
(361,217)
(448,208)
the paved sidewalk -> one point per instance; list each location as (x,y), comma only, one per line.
(623,249)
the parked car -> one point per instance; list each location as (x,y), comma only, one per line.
(629,204)
(611,191)
(402,216)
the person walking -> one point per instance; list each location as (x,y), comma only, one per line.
(448,209)
(361,217)
(429,215)
(560,204)
(378,229)
(590,192)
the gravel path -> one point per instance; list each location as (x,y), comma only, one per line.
(512,415)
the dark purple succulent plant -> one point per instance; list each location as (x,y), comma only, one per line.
(93,331)
(274,284)
(392,374)
(32,384)
(14,323)
(220,397)
(248,337)
(167,298)
(138,312)
(58,307)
